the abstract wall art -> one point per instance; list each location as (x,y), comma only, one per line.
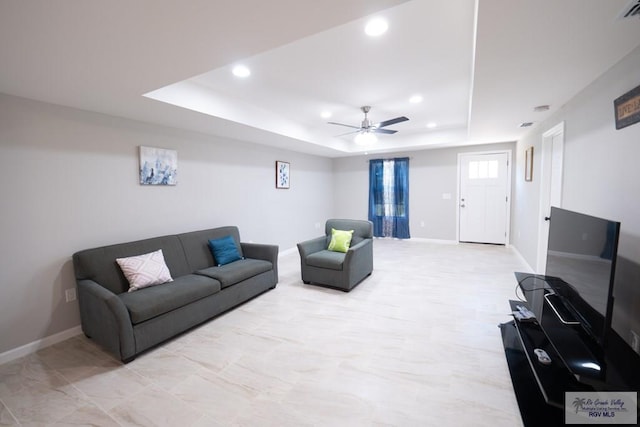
(283,177)
(158,166)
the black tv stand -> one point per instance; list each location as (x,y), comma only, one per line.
(540,389)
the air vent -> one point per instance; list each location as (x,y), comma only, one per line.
(632,10)
(525,124)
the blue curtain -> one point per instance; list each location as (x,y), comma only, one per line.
(389,197)
(401,199)
(376,195)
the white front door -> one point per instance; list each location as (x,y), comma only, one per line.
(484,197)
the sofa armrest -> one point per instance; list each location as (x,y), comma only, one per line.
(311,246)
(358,250)
(260,251)
(359,258)
(105,319)
(361,246)
(264,252)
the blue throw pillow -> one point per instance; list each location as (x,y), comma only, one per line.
(224,250)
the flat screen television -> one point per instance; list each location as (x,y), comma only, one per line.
(580,270)
(573,302)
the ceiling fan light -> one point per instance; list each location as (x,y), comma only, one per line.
(365,138)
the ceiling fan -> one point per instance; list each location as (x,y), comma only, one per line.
(369,127)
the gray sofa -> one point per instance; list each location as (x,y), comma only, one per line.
(338,270)
(128,323)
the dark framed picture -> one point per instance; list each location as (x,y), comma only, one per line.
(627,108)
(283,174)
(528,164)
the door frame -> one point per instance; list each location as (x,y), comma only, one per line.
(459,184)
(546,187)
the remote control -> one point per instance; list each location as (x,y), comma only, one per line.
(523,314)
(542,356)
(525,311)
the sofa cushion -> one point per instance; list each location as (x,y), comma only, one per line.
(196,246)
(224,250)
(99,264)
(237,271)
(361,228)
(148,303)
(326,259)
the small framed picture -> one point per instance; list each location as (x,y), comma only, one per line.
(283,174)
(528,164)
(158,166)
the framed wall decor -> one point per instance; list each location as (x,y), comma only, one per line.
(627,108)
(528,164)
(283,174)
(158,166)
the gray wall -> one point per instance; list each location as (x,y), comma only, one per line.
(432,173)
(601,177)
(69,181)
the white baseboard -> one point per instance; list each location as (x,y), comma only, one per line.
(413,239)
(34,346)
(424,239)
(517,252)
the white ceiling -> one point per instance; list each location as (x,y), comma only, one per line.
(480,66)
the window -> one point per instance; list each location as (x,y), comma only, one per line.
(483,169)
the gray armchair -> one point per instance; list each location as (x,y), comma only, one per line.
(336,269)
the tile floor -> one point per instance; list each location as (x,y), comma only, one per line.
(416,344)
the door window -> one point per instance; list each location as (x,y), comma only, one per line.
(483,169)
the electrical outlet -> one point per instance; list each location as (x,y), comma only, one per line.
(635,341)
(70,294)
(318,225)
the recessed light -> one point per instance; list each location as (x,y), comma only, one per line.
(432,125)
(241,71)
(541,108)
(525,124)
(376,27)
(415,99)
(325,114)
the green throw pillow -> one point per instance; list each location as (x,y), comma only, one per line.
(340,240)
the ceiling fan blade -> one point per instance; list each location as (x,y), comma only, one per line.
(342,124)
(387,131)
(348,133)
(391,122)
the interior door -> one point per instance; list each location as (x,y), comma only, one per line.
(484,198)
(550,187)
